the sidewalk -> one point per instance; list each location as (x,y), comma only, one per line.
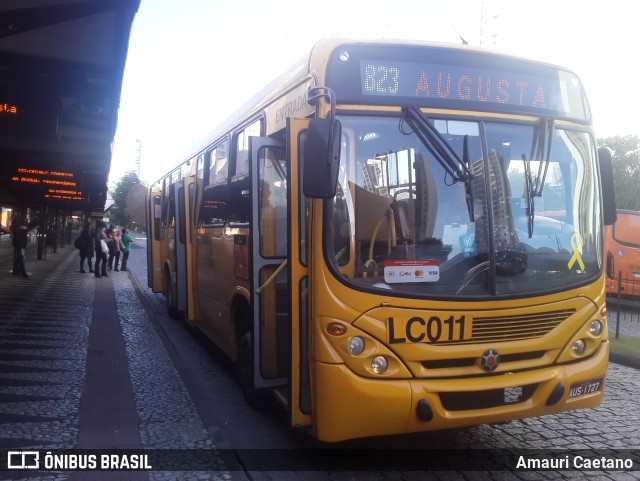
(82,367)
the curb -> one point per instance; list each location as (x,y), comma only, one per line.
(625,359)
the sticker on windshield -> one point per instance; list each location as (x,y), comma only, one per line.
(576,246)
(468,245)
(411,271)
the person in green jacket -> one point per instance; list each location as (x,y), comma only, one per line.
(126,241)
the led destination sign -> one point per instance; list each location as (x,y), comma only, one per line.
(8,109)
(52,184)
(559,93)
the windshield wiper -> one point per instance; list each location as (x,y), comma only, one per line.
(540,149)
(543,142)
(436,144)
(467,184)
(445,155)
(529,194)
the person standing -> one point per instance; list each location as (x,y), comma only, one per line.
(114,247)
(86,247)
(19,235)
(100,268)
(126,242)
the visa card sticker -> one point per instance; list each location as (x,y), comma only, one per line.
(396,272)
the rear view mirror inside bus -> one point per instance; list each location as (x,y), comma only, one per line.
(321,158)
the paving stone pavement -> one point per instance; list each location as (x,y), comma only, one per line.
(45,324)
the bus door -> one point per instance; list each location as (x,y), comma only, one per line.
(269,276)
(154,217)
(280,273)
(299,288)
(181,241)
(189,222)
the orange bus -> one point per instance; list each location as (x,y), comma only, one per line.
(622,247)
(367,240)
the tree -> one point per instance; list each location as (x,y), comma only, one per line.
(135,208)
(118,213)
(625,153)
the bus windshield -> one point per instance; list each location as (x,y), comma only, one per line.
(524,220)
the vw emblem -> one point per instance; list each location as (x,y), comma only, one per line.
(490,360)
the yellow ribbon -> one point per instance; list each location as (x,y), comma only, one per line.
(576,245)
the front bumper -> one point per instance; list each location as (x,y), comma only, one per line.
(350,406)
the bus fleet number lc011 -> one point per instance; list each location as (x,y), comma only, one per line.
(432,330)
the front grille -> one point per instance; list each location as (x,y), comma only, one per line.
(514,328)
(471,361)
(464,401)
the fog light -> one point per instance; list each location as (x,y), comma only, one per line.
(595,328)
(579,346)
(379,364)
(356,345)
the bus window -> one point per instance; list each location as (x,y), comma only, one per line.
(195,190)
(272,202)
(171,210)
(182,227)
(157,215)
(242,147)
(626,229)
(165,200)
(213,209)
(239,189)
(218,172)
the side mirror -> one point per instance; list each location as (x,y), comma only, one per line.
(605,164)
(321,158)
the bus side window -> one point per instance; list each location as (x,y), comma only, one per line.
(171,211)
(215,197)
(240,185)
(157,216)
(196,200)
(165,200)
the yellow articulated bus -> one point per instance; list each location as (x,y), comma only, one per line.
(397,237)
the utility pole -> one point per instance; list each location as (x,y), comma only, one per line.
(138,156)
(489,23)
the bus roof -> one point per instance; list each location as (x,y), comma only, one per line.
(312,67)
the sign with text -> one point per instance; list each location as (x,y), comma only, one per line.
(51,184)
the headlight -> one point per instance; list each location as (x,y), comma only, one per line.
(579,347)
(356,345)
(595,328)
(379,364)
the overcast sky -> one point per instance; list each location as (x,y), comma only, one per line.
(194,62)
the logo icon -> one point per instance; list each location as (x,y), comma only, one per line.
(490,360)
(23,460)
